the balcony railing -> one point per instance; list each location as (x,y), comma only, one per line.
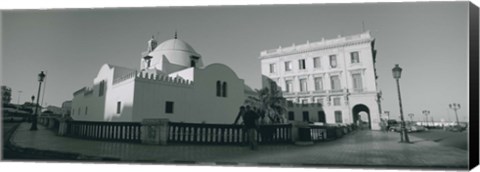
(337,91)
(358,90)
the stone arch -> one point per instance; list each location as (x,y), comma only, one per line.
(357,109)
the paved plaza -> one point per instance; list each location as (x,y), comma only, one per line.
(360,148)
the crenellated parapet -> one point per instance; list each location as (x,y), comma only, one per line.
(124,77)
(85,91)
(162,79)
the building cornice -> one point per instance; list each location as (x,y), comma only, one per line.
(316,46)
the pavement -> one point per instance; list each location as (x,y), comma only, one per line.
(360,148)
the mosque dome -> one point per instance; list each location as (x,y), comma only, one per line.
(178,53)
(176,45)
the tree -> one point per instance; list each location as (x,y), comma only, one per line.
(6,94)
(270,103)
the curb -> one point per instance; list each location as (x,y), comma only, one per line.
(31,153)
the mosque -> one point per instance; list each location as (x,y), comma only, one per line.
(172,82)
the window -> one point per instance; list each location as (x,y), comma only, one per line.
(291,115)
(168,107)
(101,89)
(333,61)
(321,116)
(289,103)
(73,111)
(335,82)
(219,89)
(272,68)
(319,101)
(288,66)
(305,102)
(318,83)
(338,116)
(192,63)
(354,58)
(79,111)
(301,64)
(289,85)
(336,101)
(119,106)
(305,116)
(149,61)
(303,85)
(357,81)
(86,110)
(316,62)
(224,89)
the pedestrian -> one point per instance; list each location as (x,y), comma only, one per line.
(250,121)
(241,112)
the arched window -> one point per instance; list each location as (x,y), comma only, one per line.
(224,89)
(219,91)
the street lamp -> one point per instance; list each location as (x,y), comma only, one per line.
(426,113)
(388,114)
(41,76)
(411,116)
(397,72)
(455,107)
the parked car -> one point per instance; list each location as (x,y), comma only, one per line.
(409,127)
(456,128)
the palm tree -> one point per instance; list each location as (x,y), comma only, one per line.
(270,103)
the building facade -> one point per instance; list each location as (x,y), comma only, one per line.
(171,83)
(337,74)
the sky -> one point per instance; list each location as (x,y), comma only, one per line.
(428,40)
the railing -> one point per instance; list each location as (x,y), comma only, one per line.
(322,133)
(114,131)
(225,134)
(318,133)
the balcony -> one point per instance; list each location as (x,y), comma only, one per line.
(303,93)
(337,91)
(287,94)
(358,90)
(319,92)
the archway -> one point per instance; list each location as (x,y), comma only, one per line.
(360,110)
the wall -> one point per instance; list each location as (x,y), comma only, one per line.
(217,109)
(150,97)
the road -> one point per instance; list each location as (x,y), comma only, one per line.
(445,138)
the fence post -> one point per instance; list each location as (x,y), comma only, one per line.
(154,131)
(62,128)
(51,123)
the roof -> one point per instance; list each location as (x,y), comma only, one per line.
(175,45)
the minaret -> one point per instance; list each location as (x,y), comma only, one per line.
(152,44)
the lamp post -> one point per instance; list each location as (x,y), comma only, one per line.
(397,72)
(19,94)
(455,107)
(426,113)
(411,116)
(41,76)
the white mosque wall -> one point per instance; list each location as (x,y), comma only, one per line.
(122,92)
(217,109)
(186,74)
(151,96)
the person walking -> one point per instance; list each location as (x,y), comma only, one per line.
(250,121)
(240,114)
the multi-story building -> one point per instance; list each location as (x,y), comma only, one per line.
(337,74)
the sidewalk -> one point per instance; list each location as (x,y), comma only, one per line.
(360,148)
